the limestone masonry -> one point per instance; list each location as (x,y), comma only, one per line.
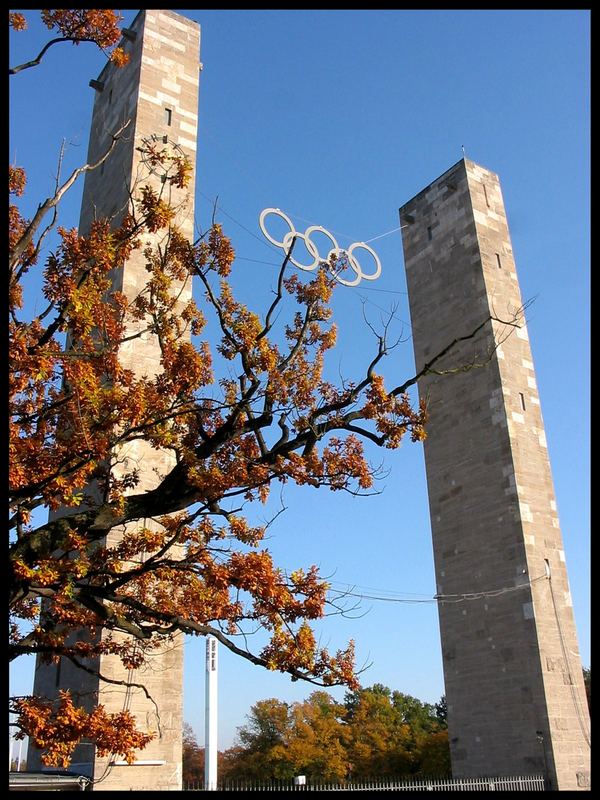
(158,91)
(514,686)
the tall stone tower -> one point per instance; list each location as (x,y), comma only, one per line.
(158,92)
(514,685)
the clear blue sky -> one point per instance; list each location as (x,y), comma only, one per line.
(338,118)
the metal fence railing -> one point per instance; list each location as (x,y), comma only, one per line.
(512,783)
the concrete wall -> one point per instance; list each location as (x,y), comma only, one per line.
(514,685)
(163,74)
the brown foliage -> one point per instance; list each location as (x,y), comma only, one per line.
(97,25)
(58,729)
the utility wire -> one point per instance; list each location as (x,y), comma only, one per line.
(297,216)
(218,141)
(572,685)
(410,597)
(381,235)
(220,208)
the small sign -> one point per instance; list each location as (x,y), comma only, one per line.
(211,654)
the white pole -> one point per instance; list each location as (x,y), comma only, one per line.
(210,738)
(11,742)
(19,761)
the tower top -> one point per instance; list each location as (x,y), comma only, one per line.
(467,163)
(153,18)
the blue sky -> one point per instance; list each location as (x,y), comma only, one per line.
(338,118)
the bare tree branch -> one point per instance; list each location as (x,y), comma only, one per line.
(51,202)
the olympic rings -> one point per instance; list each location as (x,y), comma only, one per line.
(313,251)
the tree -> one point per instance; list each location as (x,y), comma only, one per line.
(261,753)
(422,717)
(393,734)
(434,756)
(281,741)
(428,744)
(314,745)
(192,758)
(587,679)
(100,26)
(441,711)
(376,732)
(274,420)
(377,737)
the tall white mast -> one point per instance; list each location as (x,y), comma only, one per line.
(210,738)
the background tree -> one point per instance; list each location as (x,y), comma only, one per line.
(422,717)
(376,733)
(428,736)
(262,743)
(274,418)
(433,756)
(314,743)
(192,758)
(587,679)
(441,711)
(392,734)
(377,737)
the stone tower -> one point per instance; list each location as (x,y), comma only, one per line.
(513,677)
(158,92)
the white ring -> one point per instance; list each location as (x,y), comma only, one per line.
(310,246)
(354,265)
(283,216)
(377,272)
(314,251)
(321,229)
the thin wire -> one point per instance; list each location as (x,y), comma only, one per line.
(338,233)
(413,597)
(345,235)
(258,261)
(385,291)
(311,222)
(381,308)
(270,263)
(236,221)
(364,288)
(377,589)
(219,142)
(573,687)
(459,598)
(381,235)
(390,599)
(448,598)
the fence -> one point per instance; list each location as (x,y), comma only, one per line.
(517,783)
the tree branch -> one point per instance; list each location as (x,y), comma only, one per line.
(51,202)
(34,62)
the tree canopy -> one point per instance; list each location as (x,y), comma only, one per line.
(375,732)
(192,758)
(188,559)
